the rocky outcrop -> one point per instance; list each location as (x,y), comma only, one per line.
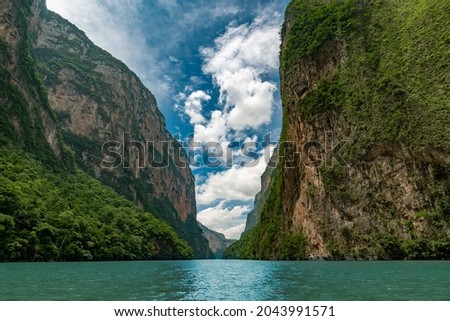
(99,101)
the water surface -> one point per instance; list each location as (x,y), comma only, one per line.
(226,280)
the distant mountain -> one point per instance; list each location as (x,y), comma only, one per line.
(364,172)
(217,241)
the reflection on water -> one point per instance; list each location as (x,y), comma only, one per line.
(226,280)
(203,280)
(234,280)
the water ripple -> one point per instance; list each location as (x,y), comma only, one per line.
(226,280)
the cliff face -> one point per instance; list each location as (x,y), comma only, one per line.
(260,198)
(97,100)
(365,88)
(217,241)
(49,209)
(26,118)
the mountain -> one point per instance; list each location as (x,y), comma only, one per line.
(364,167)
(51,136)
(98,100)
(217,241)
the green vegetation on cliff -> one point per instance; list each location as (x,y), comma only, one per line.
(311,24)
(23,98)
(56,216)
(375,73)
(394,83)
(263,240)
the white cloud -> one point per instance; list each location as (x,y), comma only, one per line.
(214,131)
(237,62)
(235,184)
(249,100)
(193,106)
(227,220)
(255,45)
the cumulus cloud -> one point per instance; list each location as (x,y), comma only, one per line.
(255,45)
(249,100)
(229,221)
(193,106)
(214,131)
(239,183)
(237,62)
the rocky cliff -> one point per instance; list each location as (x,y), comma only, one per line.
(260,198)
(26,118)
(365,89)
(49,209)
(97,100)
(217,241)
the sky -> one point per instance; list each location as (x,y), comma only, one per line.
(213,68)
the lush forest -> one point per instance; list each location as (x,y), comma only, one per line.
(52,215)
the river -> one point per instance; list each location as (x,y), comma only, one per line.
(226,280)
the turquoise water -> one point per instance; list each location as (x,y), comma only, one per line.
(226,280)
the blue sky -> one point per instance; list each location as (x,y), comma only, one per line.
(213,68)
